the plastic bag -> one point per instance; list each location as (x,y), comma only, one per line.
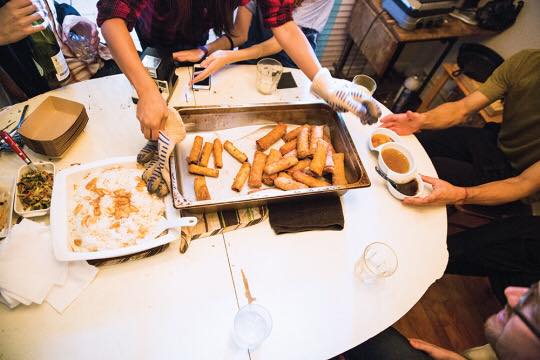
(81,36)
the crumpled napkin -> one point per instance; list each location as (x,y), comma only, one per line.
(29,272)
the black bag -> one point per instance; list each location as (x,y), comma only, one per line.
(498,15)
(477,61)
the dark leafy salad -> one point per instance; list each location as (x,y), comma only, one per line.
(35,190)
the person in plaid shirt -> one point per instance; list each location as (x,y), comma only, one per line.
(168,25)
(115,17)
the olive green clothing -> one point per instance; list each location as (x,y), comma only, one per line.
(517,80)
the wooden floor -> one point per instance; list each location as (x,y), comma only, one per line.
(451,313)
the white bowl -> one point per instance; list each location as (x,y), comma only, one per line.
(400,196)
(385,131)
(400,178)
(23,170)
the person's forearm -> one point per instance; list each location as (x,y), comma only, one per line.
(266,48)
(498,192)
(444,116)
(454,113)
(295,44)
(125,54)
(221,43)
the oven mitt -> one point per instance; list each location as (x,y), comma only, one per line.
(157,171)
(342,95)
(147,152)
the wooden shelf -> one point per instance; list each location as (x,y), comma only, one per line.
(491,113)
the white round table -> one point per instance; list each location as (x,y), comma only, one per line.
(182,306)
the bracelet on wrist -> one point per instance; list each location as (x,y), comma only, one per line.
(231,42)
(204,49)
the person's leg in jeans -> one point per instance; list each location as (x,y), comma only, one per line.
(507,251)
(388,345)
(466,156)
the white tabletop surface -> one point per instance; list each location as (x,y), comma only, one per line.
(182,306)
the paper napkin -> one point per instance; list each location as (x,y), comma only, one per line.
(29,272)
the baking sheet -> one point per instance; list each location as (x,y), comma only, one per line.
(243,126)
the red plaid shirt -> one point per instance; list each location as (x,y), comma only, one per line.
(276,12)
(153,19)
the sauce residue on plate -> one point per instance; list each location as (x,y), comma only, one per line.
(408,189)
(379,139)
(395,160)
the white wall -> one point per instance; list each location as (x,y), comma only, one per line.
(524,34)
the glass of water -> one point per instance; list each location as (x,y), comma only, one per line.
(252,325)
(268,74)
(378,261)
(365,81)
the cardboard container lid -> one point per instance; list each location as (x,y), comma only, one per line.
(51,119)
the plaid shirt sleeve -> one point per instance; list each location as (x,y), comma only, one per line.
(128,10)
(276,12)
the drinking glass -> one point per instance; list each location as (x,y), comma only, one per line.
(365,81)
(268,74)
(378,261)
(252,325)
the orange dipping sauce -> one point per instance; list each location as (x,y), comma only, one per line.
(395,160)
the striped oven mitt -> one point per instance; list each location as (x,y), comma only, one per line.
(342,95)
(155,155)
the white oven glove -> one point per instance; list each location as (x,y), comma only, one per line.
(342,95)
(157,173)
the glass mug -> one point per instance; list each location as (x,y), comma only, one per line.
(365,81)
(268,74)
(252,325)
(377,262)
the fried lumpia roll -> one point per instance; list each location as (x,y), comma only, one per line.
(284,183)
(280,165)
(292,153)
(291,145)
(291,135)
(316,134)
(272,137)
(302,164)
(329,163)
(201,170)
(201,190)
(308,180)
(326,134)
(319,157)
(338,177)
(206,152)
(255,175)
(195,152)
(235,153)
(284,174)
(272,157)
(302,142)
(218,153)
(241,177)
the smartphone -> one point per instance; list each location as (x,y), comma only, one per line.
(201,85)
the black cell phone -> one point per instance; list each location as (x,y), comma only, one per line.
(203,84)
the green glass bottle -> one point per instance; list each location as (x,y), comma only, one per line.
(46,53)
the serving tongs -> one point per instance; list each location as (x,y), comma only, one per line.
(17,150)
